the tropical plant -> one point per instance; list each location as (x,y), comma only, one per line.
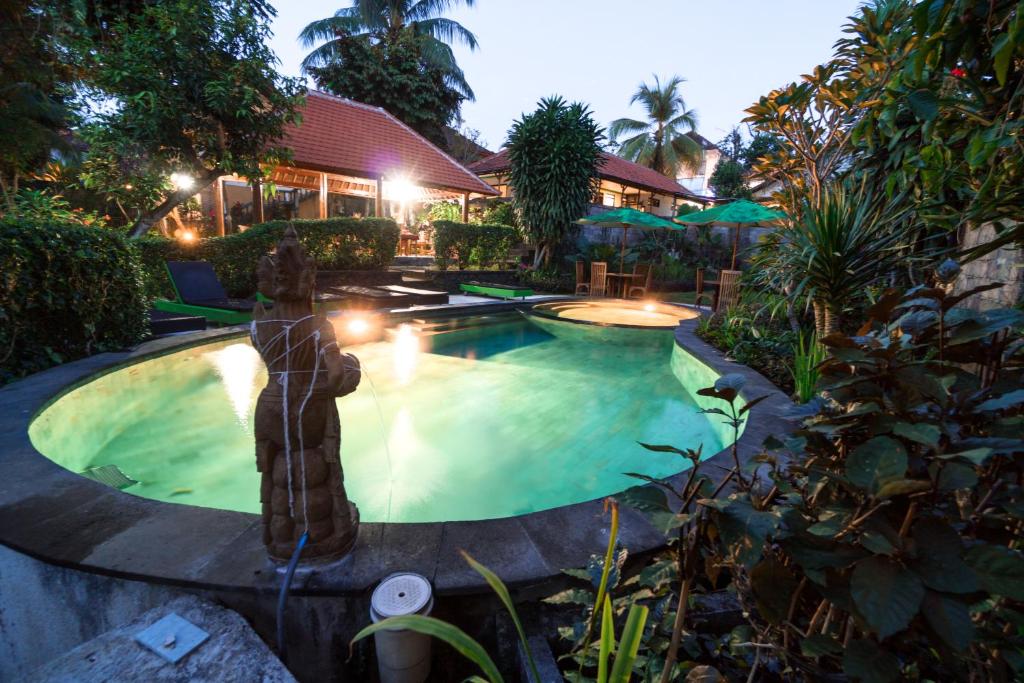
(844,239)
(387,23)
(729,179)
(395,75)
(35,89)
(662,141)
(554,155)
(808,354)
(182,86)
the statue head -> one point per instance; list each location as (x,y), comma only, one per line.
(289,274)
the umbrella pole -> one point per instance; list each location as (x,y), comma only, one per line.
(735,246)
(622,249)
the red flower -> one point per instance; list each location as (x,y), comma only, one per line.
(958,72)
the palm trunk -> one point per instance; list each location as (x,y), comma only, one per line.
(819,318)
(831,320)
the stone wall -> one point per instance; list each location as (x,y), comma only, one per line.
(1005,265)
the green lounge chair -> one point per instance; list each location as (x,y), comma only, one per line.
(495,290)
(199,292)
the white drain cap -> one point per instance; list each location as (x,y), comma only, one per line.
(400,594)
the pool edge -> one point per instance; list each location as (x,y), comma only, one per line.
(98,530)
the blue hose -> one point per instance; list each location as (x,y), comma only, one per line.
(283,595)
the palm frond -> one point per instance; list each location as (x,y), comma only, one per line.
(621,126)
(346,20)
(447,31)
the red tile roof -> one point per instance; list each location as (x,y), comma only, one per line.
(350,138)
(613,168)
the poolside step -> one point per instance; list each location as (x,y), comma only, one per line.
(429,328)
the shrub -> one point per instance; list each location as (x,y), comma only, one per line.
(465,244)
(66,292)
(337,244)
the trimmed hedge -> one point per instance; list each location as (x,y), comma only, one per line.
(66,292)
(466,243)
(337,244)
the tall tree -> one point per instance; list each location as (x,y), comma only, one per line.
(184,87)
(393,75)
(661,142)
(389,33)
(554,153)
(34,90)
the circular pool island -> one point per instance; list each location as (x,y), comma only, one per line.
(617,312)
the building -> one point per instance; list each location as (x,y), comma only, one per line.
(698,180)
(623,183)
(348,159)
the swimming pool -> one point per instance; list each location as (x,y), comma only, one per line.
(481,418)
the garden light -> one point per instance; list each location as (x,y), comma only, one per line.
(182,181)
(649,307)
(358,326)
(186,236)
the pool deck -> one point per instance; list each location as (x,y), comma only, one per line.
(56,516)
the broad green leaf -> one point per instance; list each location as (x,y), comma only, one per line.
(743,529)
(886,594)
(652,501)
(926,434)
(954,476)
(819,644)
(629,644)
(949,618)
(499,588)
(655,575)
(939,562)
(435,628)
(865,662)
(571,596)
(978,456)
(876,462)
(1007,400)
(1002,51)
(1000,570)
(902,487)
(773,585)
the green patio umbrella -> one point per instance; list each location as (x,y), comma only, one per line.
(737,214)
(627,218)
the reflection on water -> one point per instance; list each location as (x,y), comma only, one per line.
(494,420)
(237,366)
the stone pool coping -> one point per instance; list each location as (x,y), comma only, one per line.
(59,517)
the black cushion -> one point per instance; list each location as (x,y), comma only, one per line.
(196,281)
(227,304)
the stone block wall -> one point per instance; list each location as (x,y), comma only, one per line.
(1005,265)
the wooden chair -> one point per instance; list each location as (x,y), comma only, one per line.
(728,289)
(582,284)
(598,278)
(700,293)
(644,272)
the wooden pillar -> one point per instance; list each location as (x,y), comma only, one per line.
(465,207)
(322,209)
(257,202)
(378,205)
(218,205)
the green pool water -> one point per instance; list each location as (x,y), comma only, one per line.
(504,417)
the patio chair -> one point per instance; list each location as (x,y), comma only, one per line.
(728,289)
(598,278)
(700,293)
(645,272)
(582,284)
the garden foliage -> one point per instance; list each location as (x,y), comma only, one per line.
(66,292)
(465,243)
(341,243)
(883,539)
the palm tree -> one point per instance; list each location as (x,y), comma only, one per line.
(384,21)
(661,142)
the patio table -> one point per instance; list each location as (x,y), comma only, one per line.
(621,281)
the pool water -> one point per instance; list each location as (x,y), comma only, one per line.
(498,417)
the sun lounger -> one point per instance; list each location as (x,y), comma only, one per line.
(370,298)
(496,290)
(420,297)
(199,292)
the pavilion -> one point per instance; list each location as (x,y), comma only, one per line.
(348,159)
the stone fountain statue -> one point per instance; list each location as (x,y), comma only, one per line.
(298,441)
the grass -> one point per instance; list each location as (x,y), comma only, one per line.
(678,297)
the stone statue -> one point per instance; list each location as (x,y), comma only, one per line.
(298,440)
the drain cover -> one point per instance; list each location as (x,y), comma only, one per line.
(400,594)
(172,637)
